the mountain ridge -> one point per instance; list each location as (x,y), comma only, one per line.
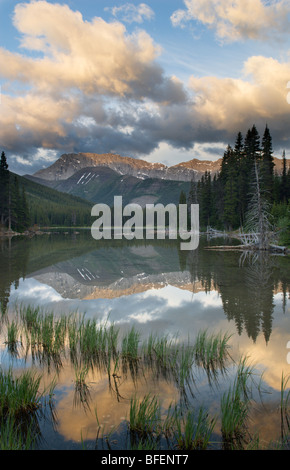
(69,163)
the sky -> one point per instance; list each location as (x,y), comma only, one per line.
(164,80)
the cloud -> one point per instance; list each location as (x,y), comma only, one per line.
(90,86)
(239,19)
(95,57)
(131,13)
(260,95)
(75,82)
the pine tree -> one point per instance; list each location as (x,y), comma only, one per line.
(252,146)
(205,199)
(267,165)
(284,181)
(4,189)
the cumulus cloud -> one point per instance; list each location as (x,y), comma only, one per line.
(93,56)
(75,81)
(131,13)
(90,86)
(260,95)
(234,20)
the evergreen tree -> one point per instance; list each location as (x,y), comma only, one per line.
(182,198)
(205,199)
(252,147)
(284,187)
(4,189)
(267,165)
(231,216)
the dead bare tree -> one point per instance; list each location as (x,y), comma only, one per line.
(258,217)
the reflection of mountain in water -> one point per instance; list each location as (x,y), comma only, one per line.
(79,267)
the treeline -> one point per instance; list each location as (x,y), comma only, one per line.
(14,211)
(224,198)
(25,204)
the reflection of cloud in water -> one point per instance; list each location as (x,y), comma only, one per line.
(33,291)
(169,308)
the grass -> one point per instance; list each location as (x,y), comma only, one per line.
(91,344)
(235,406)
(145,415)
(211,350)
(194,430)
(284,408)
(130,345)
(12,436)
(19,395)
(82,393)
(12,336)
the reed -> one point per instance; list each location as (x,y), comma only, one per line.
(29,316)
(235,405)
(92,338)
(211,351)
(145,415)
(82,392)
(13,330)
(184,371)
(12,436)
(113,338)
(19,395)
(284,408)
(194,430)
(130,345)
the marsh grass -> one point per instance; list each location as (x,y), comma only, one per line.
(212,350)
(12,340)
(161,350)
(19,395)
(12,436)
(29,316)
(284,409)
(130,345)
(235,406)
(82,392)
(93,344)
(21,401)
(184,368)
(145,416)
(93,339)
(193,431)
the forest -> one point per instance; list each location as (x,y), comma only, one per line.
(25,204)
(225,199)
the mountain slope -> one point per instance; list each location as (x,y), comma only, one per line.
(51,207)
(68,164)
(101,184)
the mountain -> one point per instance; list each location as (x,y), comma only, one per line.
(99,177)
(68,164)
(101,184)
(51,207)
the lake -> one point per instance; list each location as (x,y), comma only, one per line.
(157,288)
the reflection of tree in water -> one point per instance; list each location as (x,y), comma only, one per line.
(257,291)
(246,283)
(14,258)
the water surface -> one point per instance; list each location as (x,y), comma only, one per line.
(158,288)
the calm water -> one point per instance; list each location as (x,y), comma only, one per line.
(158,288)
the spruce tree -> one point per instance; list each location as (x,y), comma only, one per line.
(267,165)
(284,181)
(4,189)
